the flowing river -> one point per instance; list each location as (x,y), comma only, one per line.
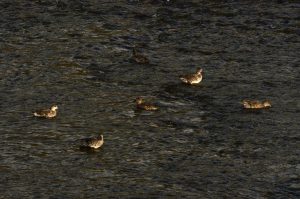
(199,144)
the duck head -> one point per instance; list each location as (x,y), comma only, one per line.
(267,103)
(100,137)
(245,103)
(134,52)
(54,108)
(199,71)
(139,100)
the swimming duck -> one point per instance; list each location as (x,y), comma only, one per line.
(94,143)
(251,104)
(192,78)
(47,113)
(141,104)
(139,58)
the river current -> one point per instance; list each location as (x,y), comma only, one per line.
(199,144)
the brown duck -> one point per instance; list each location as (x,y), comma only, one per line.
(94,143)
(253,104)
(195,78)
(142,105)
(139,58)
(47,113)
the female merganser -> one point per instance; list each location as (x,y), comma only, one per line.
(47,113)
(139,58)
(192,78)
(251,104)
(141,104)
(95,142)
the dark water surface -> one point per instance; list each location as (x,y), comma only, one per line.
(200,144)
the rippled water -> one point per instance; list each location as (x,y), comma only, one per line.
(200,144)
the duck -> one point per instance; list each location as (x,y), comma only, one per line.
(92,143)
(192,78)
(47,113)
(142,105)
(253,104)
(139,58)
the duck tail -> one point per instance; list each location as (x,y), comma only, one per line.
(183,79)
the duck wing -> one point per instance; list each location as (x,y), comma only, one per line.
(42,112)
(150,107)
(188,78)
(91,142)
